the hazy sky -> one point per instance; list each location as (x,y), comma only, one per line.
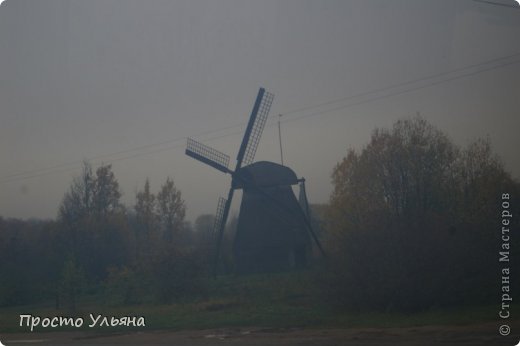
(126,81)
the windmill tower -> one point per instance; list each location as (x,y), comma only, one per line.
(273,230)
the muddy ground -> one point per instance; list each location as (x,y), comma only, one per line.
(474,335)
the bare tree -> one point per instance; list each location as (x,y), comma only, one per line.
(171,209)
(77,201)
(106,192)
(145,208)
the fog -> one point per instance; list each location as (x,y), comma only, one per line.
(126,81)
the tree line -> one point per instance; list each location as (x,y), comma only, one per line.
(413,222)
(138,254)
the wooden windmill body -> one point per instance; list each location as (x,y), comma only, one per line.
(273,229)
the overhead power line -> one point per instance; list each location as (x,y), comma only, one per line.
(402,84)
(400,92)
(74,166)
(516,7)
(63,167)
(452,75)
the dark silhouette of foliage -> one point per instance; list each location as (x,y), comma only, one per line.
(412,221)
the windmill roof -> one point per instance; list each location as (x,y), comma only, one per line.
(265,174)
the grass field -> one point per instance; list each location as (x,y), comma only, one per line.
(273,300)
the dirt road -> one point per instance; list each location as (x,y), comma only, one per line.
(475,335)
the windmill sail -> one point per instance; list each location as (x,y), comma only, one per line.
(208,155)
(255,127)
(219,216)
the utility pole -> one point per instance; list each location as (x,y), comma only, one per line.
(280,136)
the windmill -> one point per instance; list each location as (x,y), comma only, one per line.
(273,229)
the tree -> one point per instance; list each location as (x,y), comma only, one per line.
(77,201)
(71,284)
(171,209)
(106,192)
(205,240)
(75,210)
(30,260)
(145,208)
(479,173)
(406,169)
(412,208)
(92,219)
(204,229)
(90,194)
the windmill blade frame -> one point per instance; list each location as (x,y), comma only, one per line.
(222,226)
(219,215)
(254,128)
(207,155)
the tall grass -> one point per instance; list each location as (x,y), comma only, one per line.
(279,300)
